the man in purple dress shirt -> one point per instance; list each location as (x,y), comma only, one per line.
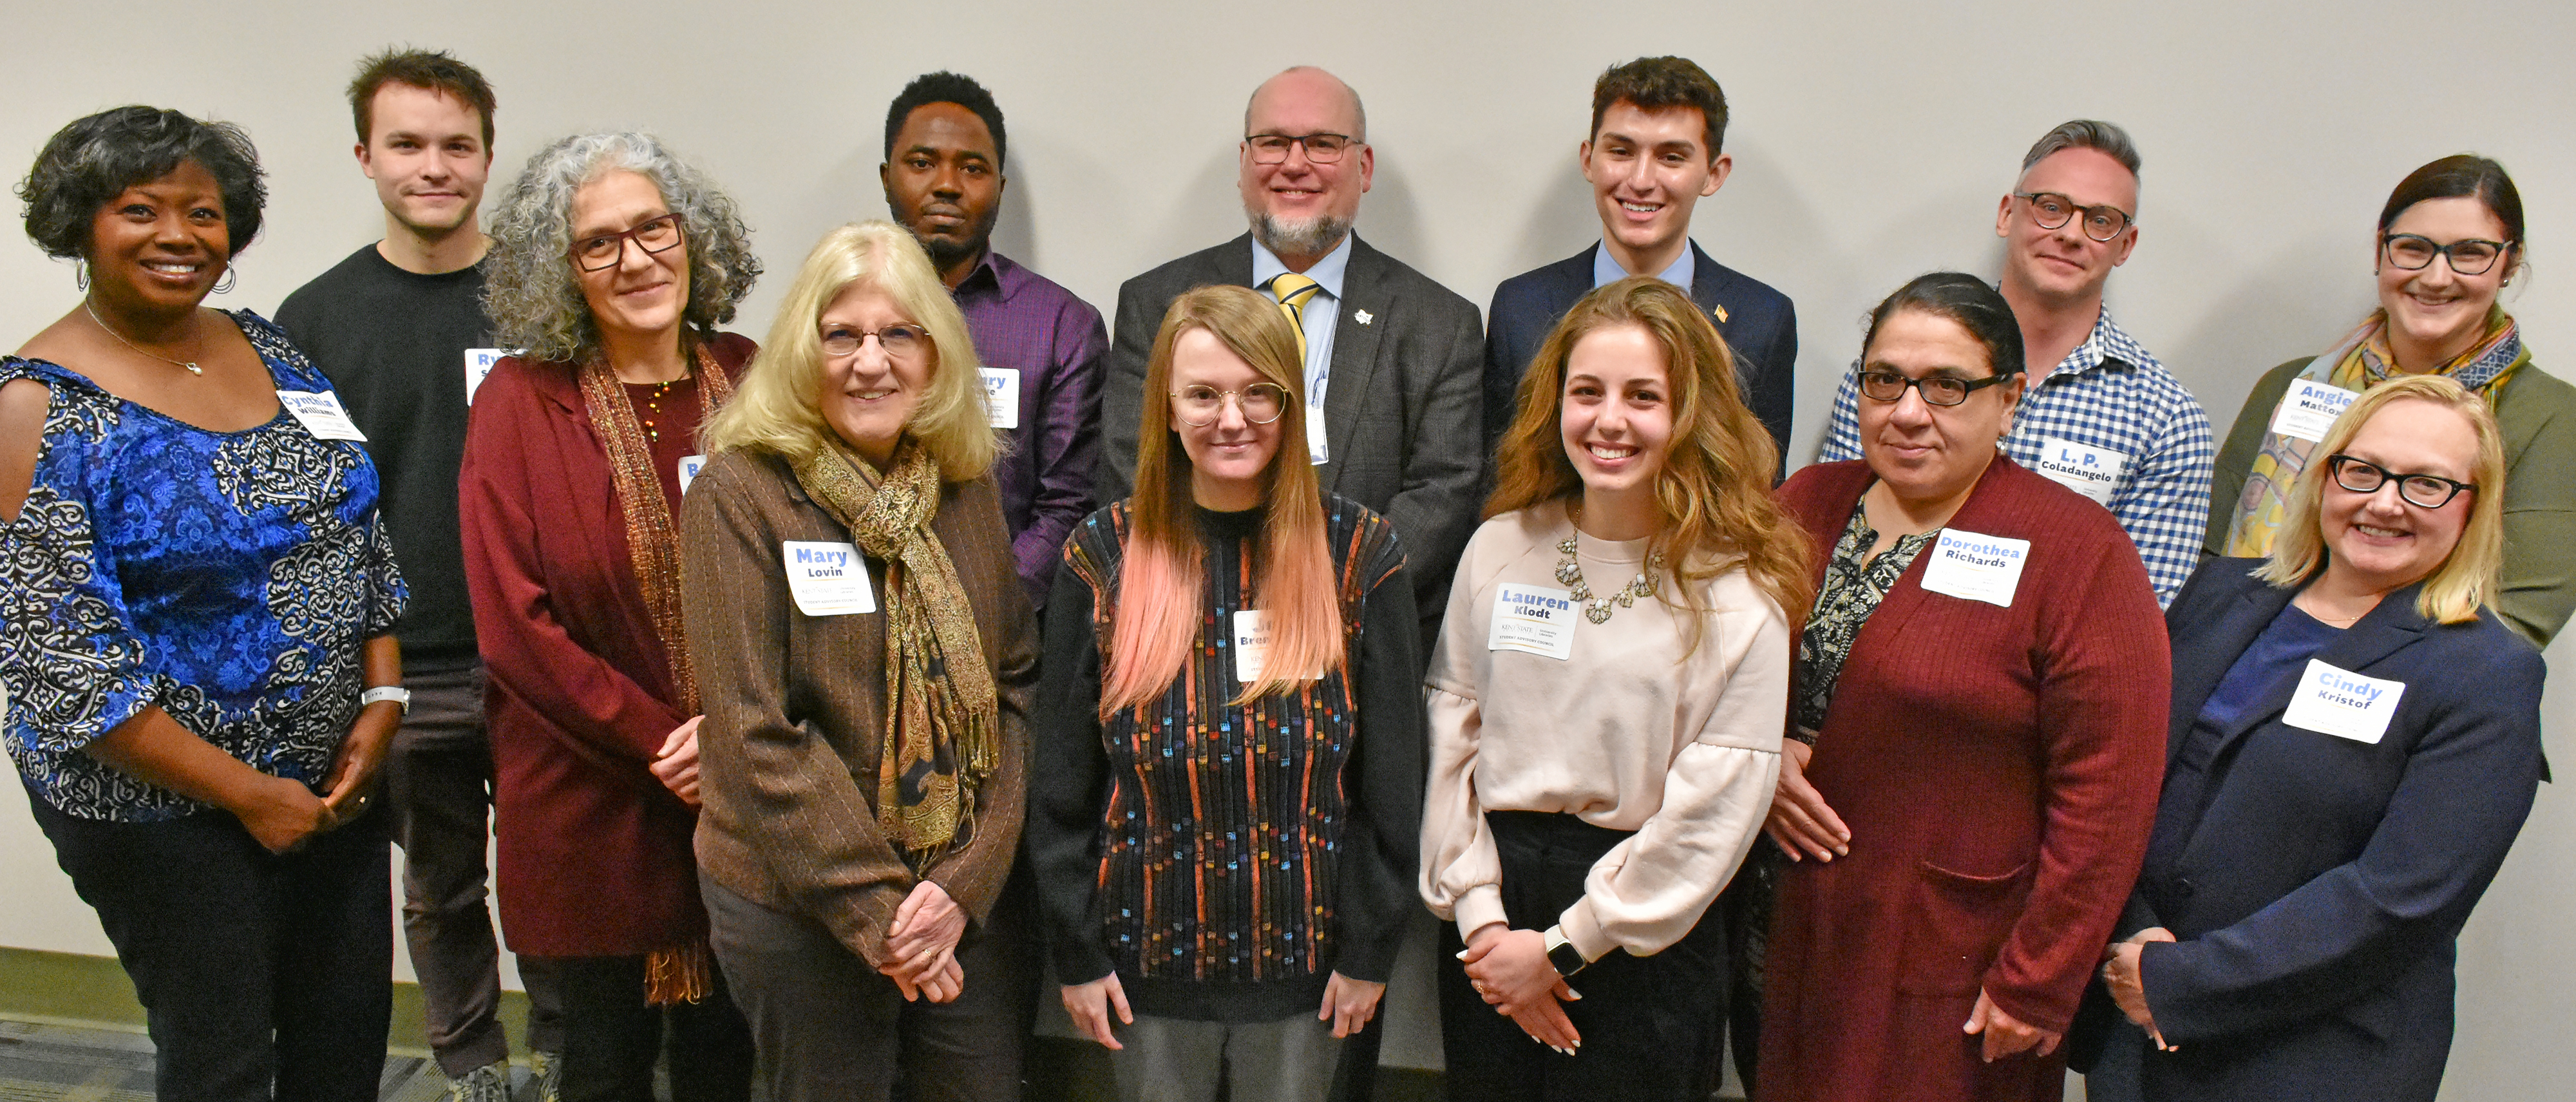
(1041,347)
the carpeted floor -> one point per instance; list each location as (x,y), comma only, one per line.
(46,1062)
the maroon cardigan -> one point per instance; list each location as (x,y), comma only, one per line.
(1998,768)
(595,854)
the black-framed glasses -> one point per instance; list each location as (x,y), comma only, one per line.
(654,235)
(2467,256)
(1323,149)
(1939,390)
(901,341)
(2424,491)
(2051,211)
(1200,406)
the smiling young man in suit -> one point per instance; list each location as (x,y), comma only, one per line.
(1391,357)
(1658,125)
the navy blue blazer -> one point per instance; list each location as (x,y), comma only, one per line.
(2318,889)
(1759,324)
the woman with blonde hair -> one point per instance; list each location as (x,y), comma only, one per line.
(2355,743)
(1602,757)
(1229,753)
(866,653)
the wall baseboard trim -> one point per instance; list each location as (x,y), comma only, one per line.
(78,989)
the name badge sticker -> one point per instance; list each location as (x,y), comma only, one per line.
(2309,409)
(478,363)
(2342,703)
(1976,567)
(690,465)
(320,413)
(1533,619)
(2087,470)
(827,579)
(1251,644)
(1002,395)
(1317,451)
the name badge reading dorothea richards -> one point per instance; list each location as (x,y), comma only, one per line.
(1976,567)
(1533,619)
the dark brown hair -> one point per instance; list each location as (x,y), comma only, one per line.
(431,70)
(1657,83)
(2461,176)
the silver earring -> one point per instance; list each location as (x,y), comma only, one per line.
(80,276)
(226,284)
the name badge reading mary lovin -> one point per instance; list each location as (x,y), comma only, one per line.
(1976,567)
(827,579)
(2342,703)
(1533,619)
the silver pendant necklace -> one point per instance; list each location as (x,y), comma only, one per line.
(110,330)
(1598,611)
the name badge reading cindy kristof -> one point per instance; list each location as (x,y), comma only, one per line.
(1002,395)
(2343,703)
(827,579)
(1976,567)
(1533,619)
(2309,408)
(1251,644)
(478,363)
(2087,470)
(690,465)
(320,413)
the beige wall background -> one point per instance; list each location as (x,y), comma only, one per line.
(1871,142)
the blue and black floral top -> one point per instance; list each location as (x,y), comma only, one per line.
(228,577)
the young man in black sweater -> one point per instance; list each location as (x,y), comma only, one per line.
(399,328)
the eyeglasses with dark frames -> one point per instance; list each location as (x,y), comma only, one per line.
(901,341)
(2468,256)
(654,235)
(2423,491)
(1201,406)
(1939,390)
(1323,149)
(2051,211)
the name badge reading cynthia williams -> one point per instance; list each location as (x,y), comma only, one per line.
(1976,567)
(1533,619)
(827,579)
(320,413)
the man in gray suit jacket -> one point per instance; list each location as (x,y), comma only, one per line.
(1393,360)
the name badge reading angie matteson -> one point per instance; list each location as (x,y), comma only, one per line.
(2309,408)
(827,579)
(2342,703)
(1533,619)
(1976,567)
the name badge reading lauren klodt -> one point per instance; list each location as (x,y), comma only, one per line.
(320,413)
(827,579)
(1002,395)
(1251,644)
(1533,619)
(2309,409)
(2342,703)
(2087,470)
(1976,567)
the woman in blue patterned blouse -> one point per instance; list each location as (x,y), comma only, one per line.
(196,602)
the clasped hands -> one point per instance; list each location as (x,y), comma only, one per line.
(921,945)
(1510,969)
(2123,973)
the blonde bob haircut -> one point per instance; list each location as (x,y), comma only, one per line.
(2466,578)
(777,407)
(1715,487)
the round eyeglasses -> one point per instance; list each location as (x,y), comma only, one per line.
(2052,211)
(657,235)
(1200,406)
(1939,390)
(2424,491)
(902,341)
(2468,256)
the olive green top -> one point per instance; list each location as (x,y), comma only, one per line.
(2537,414)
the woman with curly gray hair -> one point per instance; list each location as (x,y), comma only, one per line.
(611,265)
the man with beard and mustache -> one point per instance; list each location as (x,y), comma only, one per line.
(399,329)
(1040,345)
(1393,360)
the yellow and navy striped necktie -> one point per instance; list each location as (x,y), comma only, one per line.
(1293,292)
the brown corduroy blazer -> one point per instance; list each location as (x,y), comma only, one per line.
(795,723)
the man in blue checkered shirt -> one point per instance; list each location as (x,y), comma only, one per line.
(2109,422)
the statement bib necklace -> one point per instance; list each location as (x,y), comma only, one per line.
(110,330)
(1598,611)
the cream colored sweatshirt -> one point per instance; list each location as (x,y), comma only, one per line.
(1623,732)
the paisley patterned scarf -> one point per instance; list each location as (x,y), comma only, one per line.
(679,973)
(2358,362)
(942,719)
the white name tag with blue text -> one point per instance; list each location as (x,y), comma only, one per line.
(2309,409)
(2087,470)
(320,413)
(1533,619)
(478,363)
(1002,395)
(2342,703)
(690,465)
(827,579)
(1976,567)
